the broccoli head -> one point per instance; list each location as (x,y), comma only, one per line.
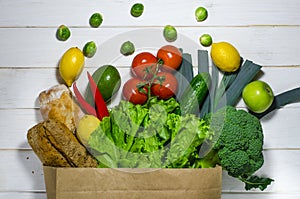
(240,141)
(237,143)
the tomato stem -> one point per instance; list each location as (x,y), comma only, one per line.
(160,61)
(159,79)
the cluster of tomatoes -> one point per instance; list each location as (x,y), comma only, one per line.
(153,75)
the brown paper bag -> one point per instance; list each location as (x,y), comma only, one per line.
(93,183)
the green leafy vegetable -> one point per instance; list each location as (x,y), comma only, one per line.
(138,136)
(225,83)
(203,65)
(134,135)
(214,86)
(154,136)
(246,74)
(183,150)
(252,182)
(185,73)
(237,145)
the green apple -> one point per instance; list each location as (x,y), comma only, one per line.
(258,96)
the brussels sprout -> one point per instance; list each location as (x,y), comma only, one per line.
(96,20)
(137,10)
(63,33)
(127,48)
(205,40)
(170,33)
(89,49)
(201,14)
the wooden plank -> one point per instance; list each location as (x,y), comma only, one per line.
(17,121)
(282,165)
(20,170)
(26,84)
(263,45)
(117,13)
(281,129)
(15,126)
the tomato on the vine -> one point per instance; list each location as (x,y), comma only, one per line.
(171,57)
(144,65)
(135,91)
(165,85)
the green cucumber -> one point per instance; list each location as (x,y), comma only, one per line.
(194,95)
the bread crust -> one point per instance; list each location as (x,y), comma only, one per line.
(58,104)
(56,145)
(41,145)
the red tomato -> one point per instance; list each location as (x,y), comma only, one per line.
(144,65)
(171,57)
(165,86)
(132,93)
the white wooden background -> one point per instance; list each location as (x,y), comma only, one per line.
(264,31)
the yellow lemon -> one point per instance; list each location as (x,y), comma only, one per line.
(86,126)
(71,65)
(225,56)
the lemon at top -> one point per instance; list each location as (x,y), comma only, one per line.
(71,65)
(225,56)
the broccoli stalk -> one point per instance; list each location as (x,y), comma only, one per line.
(237,146)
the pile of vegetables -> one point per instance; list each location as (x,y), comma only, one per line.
(156,136)
(196,125)
(170,117)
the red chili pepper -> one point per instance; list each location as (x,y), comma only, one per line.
(85,105)
(102,110)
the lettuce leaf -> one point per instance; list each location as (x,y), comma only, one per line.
(148,136)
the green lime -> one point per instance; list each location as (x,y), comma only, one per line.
(108,80)
(96,20)
(201,14)
(63,33)
(127,48)
(137,10)
(170,33)
(205,40)
(89,49)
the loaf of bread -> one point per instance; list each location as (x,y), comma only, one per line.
(57,103)
(55,145)
(49,156)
